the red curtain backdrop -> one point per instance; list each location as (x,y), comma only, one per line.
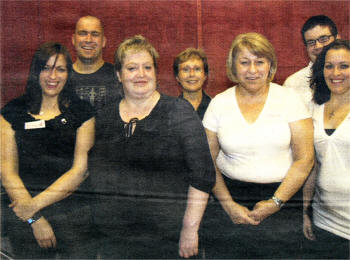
(170,25)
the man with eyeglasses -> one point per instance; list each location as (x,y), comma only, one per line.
(317,32)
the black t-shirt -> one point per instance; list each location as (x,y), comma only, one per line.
(98,88)
(167,152)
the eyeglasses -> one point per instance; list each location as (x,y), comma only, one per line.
(188,69)
(322,39)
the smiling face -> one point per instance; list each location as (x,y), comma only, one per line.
(89,39)
(138,75)
(191,75)
(313,34)
(251,71)
(337,71)
(53,76)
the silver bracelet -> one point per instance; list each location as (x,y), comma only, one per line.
(279,203)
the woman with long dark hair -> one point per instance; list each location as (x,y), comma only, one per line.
(327,190)
(45,135)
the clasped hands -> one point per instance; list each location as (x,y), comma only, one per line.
(242,215)
(42,230)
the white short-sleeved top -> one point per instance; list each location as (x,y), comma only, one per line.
(259,152)
(300,82)
(332,196)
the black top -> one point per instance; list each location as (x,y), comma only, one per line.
(203,105)
(44,154)
(167,151)
(98,88)
(329,131)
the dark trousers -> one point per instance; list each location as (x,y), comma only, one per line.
(138,227)
(326,246)
(71,222)
(278,236)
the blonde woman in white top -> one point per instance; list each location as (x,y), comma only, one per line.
(260,136)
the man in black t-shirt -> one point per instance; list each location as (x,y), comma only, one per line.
(94,79)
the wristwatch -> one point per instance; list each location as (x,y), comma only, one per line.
(277,201)
(34,218)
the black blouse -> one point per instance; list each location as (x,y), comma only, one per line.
(167,152)
(203,105)
(45,153)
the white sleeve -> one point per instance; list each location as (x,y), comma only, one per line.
(211,116)
(288,82)
(297,110)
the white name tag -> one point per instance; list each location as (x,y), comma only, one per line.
(35,124)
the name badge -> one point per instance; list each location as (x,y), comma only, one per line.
(35,124)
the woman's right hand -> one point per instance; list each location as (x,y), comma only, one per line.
(307,227)
(239,215)
(43,233)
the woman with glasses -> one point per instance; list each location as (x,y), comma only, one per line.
(151,164)
(327,189)
(191,71)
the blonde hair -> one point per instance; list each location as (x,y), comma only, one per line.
(136,43)
(257,44)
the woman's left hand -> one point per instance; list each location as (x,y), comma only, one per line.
(24,209)
(188,242)
(263,209)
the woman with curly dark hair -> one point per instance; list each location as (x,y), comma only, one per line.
(327,189)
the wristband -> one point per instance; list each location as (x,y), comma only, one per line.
(279,203)
(34,218)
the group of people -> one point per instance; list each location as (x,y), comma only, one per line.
(97,163)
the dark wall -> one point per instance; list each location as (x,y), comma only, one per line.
(170,25)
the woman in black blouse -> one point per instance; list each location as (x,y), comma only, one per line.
(46,135)
(151,164)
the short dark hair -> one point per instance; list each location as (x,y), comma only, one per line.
(320,20)
(321,91)
(188,54)
(33,92)
(91,18)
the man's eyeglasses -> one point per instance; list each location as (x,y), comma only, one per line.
(322,39)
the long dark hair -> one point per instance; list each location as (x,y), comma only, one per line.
(321,91)
(33,92)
